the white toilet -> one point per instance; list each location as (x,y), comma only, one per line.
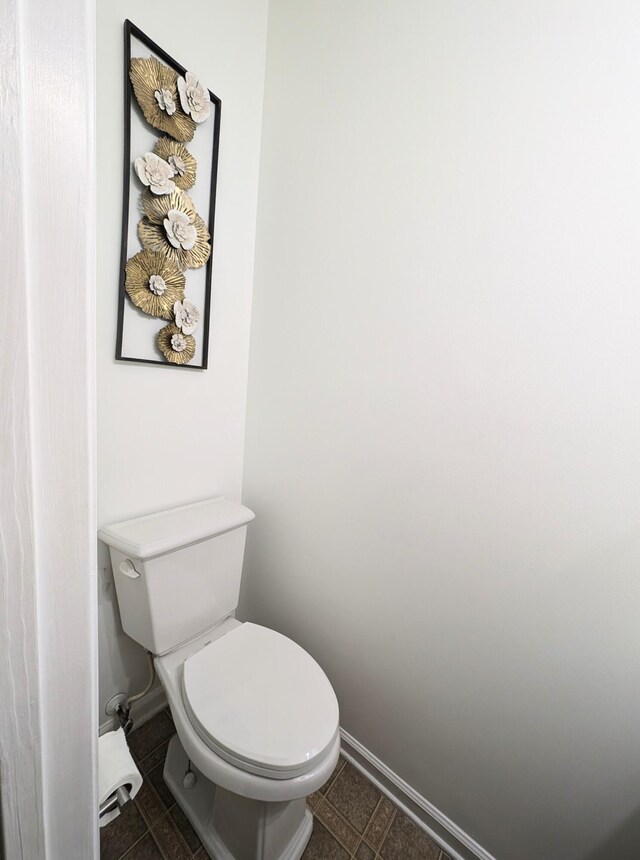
(256,717)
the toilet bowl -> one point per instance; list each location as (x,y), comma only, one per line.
(257,719)
(241,778)
(261,755)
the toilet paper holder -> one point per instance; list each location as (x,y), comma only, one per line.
(119,799)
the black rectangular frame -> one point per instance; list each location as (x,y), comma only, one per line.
(130,30)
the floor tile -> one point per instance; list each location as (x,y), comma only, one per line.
(407,841)
(156,778)
(169,839)
(351,818)
(337,825)
(323,846)
(364,852)
(120,834)
(314,799)
(144,849)
(151,761)
(340,764)
(380,822)
(354,796)
(186,830)
(149,803)
(150,735)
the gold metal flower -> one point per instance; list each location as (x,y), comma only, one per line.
(178,348)
(172,226)
(154,284)
(182,162)
(156,91)
(156,207)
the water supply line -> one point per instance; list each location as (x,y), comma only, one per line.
(123,711)
(152,677)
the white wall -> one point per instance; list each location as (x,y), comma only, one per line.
(169,436)
(444,410)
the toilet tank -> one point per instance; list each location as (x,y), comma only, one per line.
(177,572)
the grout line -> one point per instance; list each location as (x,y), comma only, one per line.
(340,816)
(324,799)
(160,847)
(392,818)
(133,844)
(373,815)
(326,825)
(355,850)
(151,788)
(177,830)
(385,832)
(335,778)
(151,752)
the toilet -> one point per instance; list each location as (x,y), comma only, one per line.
(257,719)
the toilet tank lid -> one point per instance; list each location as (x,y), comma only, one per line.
(165,531)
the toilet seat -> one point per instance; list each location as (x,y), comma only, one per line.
(260,702)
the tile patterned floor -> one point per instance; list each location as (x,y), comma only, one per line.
(352,818)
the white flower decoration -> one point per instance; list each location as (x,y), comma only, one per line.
(178,343)
(177,164)
(187,316)
(155,173)
(181,233)
(157,285)
(165,101)
(194,97)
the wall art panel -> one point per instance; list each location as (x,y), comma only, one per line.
(171,140)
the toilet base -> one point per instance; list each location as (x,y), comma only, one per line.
(232,827)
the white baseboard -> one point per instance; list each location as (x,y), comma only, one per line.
(141,711)
(451,838)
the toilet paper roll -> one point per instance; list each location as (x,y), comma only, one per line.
(115,768)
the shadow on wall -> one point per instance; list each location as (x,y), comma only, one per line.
(623,842)
(123,663)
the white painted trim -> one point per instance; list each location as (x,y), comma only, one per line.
(451,838)
(141,711)
(48,595)
(21,815)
